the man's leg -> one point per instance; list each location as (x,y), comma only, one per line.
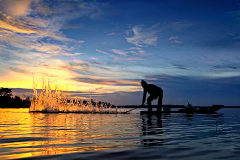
(149,102)
(159,108)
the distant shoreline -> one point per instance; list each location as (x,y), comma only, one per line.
(130,106)
(172,106)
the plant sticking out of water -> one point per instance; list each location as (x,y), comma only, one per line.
(57,101)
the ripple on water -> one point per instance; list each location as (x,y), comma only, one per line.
(23,139)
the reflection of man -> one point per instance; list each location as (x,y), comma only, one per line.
(150,129)
(155,92)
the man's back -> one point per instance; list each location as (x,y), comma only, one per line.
(153,90)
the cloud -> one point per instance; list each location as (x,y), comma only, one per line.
(180,66)
(50,48)
(210,62)
(35,27)
(110,55)
(227,66)
(134,59)
(178,42)
(149,35)
(113,34)
(107,82)
(157,77)
(139,52)
(25,36)
(173,38)
(130,59)
(20,70)
(119,52)
(175,41)
(72,9)
(132,48)
(144,36)
(94,58)
(16,27)
(17,7)
(70,54)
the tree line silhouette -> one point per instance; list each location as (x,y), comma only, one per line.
(8,101)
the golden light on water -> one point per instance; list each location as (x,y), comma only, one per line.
(25,134)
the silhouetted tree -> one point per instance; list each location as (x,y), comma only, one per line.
(27,99)
(17,99)
(7,101)
(5,92)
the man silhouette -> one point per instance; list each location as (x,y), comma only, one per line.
(155,92)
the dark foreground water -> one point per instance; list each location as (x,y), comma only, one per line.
(132,136)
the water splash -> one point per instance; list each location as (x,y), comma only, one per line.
(56,101)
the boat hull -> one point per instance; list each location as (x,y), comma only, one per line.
(201,110)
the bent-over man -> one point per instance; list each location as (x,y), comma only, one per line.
(155,92)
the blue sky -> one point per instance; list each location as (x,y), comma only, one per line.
(103,48)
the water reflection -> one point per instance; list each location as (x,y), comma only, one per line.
(174,129)
(152,130)
(24,134)
(75,132)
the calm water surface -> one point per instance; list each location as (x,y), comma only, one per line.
(123,136)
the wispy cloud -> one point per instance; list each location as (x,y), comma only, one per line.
(17,69)
(70,54)
(107,82)
(110,55)
(94,58)
(180,66)
(118,51)
(178,42)
(135,59)
(144,36)
(173,38)
(157,77)
(227,66)
(113,34)
(16,27)
(136,51)
(130,59)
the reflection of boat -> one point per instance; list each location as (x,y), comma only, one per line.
(202,110)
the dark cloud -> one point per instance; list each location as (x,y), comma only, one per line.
(17,69)
(163,76)
(5,57)
(180,66)
(106,82)
(227,66)
(224,43)
(72,9)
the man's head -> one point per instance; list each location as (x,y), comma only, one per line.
(144,83)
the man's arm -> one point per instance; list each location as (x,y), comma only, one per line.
(144,97)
